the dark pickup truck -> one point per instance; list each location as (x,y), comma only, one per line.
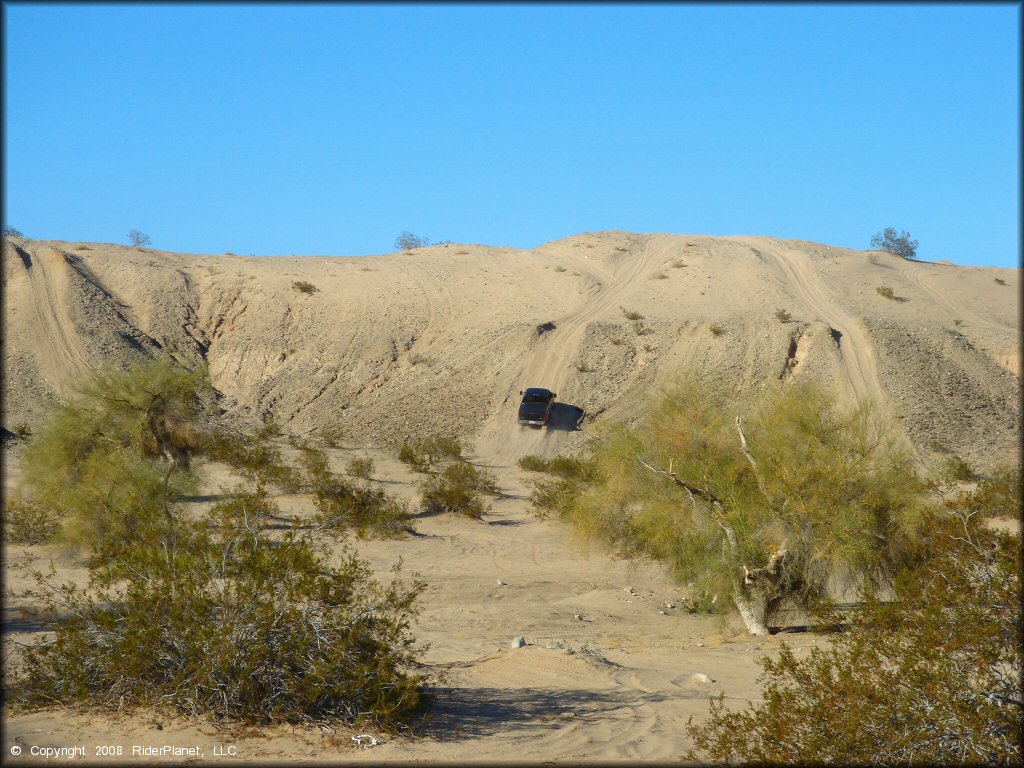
(536,406)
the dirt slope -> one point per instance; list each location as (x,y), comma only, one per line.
(442,339)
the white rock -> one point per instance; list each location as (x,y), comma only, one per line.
(519,642)
(700,677)
(502,583)
(700,645)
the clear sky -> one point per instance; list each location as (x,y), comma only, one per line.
(329,129)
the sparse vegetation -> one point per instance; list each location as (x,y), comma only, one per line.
(899,244)
(360,468)
(631,315)
(303,286)
(457,489)
(886,291)
(931,678)
(424,455)
(716,329)
(783,316)
(677,264)
(999,281)
(26,522)
(407,241)
(873,258)
(137,238)
(560,268)
(641,329)
(583,367)
(958,322)
(659,276)
(10,231)
(178,611)
(185,618)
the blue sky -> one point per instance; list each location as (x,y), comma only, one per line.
(329,129)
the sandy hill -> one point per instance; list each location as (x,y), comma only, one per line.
(441,339)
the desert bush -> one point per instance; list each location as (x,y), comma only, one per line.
(555,493)
(424,455)
(137,238)
(958,322)
(216,618)
(10,231)
(873,258)
(931,678)
(304,286)
(716,329)
(749,511)
(999,280)
(955,468)
(631,315)
(583,367)
(360,468)
(560,268)
(457,489)
(659,276)
(641,329)
(900,245)
(252,454)
(343,506)
(407,241)
(26,522)
(783,316)
(886,291)
(113,458)
(677,264)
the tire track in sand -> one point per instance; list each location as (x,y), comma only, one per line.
(915,274)
(546,364)
(855,350)
(64,357)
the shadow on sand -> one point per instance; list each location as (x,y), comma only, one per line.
(475,712)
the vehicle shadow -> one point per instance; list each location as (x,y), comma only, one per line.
(565,417)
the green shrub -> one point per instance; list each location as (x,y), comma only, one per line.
(716,329)
(886,291)
(457,489)
(302,286)
(216,618)
(26,522)
(343,506)
(631,315)
(931,678)
(751,515)
(361,469)
(955,468)
(424,455)
(783,316)
(1000,281)
(253,455)
(890,242)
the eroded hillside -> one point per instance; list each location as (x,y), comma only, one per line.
(442,339)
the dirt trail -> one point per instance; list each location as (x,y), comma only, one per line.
(548,363)
(63,357)
(855,350)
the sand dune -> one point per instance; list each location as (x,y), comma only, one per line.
(441,340)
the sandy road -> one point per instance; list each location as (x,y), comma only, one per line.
(548,364)
(64,359)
